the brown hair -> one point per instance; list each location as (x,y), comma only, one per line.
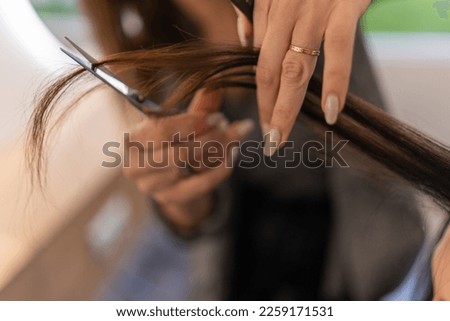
(404,150)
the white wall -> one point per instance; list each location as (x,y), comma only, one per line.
(414,73)
(29,52)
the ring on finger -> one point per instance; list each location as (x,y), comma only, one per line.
(306,51)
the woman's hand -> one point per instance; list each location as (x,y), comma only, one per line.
(183,158)
(441,269)
(282,74)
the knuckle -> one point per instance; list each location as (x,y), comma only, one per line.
(294,72)
(265,77)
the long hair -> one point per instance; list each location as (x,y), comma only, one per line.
(402,149)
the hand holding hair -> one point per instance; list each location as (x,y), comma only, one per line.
(184,183)
(290,34)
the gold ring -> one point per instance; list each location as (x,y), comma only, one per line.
(306,51)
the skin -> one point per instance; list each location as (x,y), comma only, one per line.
(282,75)
(441,269)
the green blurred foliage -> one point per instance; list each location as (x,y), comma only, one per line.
(408,16)
(55,7)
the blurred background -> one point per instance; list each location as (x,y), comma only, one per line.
(408,42)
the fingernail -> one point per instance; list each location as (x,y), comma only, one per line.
(241,32)
(331,109)
(213,119)
(271,142)
(245,127)
(217,120)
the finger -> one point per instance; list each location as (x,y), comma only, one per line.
(206,101)
(260,18)
(200,153)
(203,183)
(297,69)
(194,186)
(152,134)
(196,120)
(156,181)
(275,45)
(166,171)
(210,151)
(173,157)
(142,163)
(244,28)
(338,46)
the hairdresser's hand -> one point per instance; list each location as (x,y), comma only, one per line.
(282,75)
(185,193)
(441,269)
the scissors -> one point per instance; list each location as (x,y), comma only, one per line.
(136,98)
